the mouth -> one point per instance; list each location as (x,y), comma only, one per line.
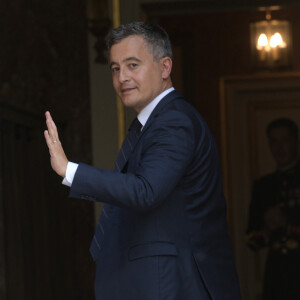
(127,90)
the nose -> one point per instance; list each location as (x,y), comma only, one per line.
(123,75)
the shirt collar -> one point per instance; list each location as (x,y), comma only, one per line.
(147,110)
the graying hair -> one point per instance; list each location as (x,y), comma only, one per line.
(156,38)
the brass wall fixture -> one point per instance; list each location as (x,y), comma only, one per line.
(271,42)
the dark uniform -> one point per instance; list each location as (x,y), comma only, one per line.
(282,270)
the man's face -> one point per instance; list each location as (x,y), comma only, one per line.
(283,146)
(137,78)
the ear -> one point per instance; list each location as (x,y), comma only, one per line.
(166,67)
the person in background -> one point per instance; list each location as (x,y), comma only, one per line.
(162,234)
(274,214)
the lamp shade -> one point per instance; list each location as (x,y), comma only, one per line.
(271,43)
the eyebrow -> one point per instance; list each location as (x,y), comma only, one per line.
(125,60)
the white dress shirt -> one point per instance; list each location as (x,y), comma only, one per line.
(142,117)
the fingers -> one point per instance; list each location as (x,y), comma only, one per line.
(49,140)
(58,159)
(52,130)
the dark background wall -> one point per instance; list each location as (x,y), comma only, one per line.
(43,66)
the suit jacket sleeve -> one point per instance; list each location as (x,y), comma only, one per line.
(162,156)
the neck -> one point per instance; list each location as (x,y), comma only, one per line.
(168,84)
(288,166)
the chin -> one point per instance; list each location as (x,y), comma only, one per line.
(125,100)
(129,104)
(285,163)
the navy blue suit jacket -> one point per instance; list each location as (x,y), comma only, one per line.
(167,237)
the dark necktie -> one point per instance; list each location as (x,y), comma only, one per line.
(128,144)
(107,212)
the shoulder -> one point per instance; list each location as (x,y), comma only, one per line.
(265,182)
(174,108)
(176,102)
(267,177)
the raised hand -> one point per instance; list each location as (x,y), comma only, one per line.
(58,158)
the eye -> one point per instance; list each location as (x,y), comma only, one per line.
(133,65)
(114,69)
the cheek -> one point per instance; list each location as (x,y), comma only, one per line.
(274,149)
(115,83)
(289,148)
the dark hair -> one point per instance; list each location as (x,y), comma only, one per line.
(283,122)
(156,38)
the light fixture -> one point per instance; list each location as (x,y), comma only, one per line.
(270,42)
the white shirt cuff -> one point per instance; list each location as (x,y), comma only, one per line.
(70,173)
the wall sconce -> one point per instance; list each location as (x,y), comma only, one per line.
(270,43)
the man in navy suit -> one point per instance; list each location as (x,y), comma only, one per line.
(162,234)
